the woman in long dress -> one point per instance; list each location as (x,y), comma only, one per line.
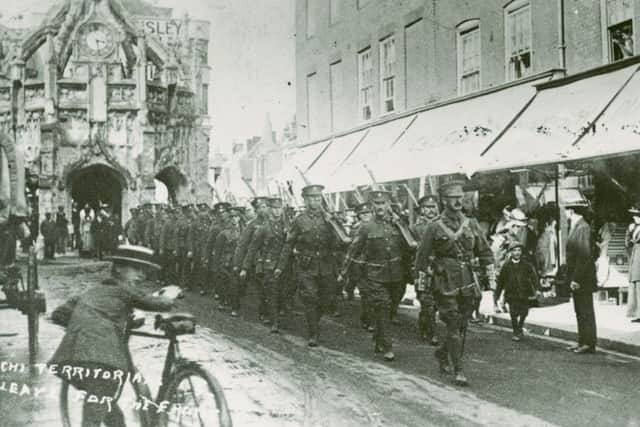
(87,216)
(632,242)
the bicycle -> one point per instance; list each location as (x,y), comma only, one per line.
(177,370)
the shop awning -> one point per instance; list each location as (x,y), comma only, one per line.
(335,154)
(546,131)
(618,129)
(450,138)
(376,144)
(301,159)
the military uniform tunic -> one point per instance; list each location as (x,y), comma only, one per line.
(386,259)
(313,242)
(450,258)
(223,252)
(427,316)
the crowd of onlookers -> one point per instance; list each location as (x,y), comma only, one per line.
(94,233)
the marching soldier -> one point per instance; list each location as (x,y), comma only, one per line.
(357,274)
(223,253)
(261,208)
(429,213)
(203,221)
(262,257)
(184,240)
(167,248)
(386,258)
(313,241)
(216,227)
(451,247)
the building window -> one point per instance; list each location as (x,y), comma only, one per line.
(518,39)
(310,18)
(152,71)
(362,3)
(312,104)
(335,11)
(387,74)
(335,94)
(365,83)
(620,29)
(205,99)
(469,57)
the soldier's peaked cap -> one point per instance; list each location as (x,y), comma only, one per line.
(134,255)
(236,211)
(428,200)
(452,189)
(379,195)
(221,206)
(202,205)
(312,190)
(363,208)
(257,200)
(275,202)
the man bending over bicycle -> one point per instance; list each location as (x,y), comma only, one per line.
(96,337)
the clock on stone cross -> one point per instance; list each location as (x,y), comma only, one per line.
(96,39)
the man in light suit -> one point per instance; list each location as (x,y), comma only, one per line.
(581,275)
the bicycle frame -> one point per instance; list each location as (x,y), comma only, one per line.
(173,354)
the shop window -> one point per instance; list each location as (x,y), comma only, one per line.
(365,83)
(469,57)
(518,39)
(619,31)
(387,74)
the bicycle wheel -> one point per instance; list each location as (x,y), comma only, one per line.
(71,415)
(195,398)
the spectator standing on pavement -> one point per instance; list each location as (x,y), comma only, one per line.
(546,256)
(49,233)
(632,242)
(87,216)
(61,230)
(96,322)
(581,275)
(75,221)
(519,281)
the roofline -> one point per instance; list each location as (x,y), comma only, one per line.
(450,101)
(603,69)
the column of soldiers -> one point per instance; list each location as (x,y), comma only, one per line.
(276,257)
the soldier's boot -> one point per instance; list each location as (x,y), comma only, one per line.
(461,379)
(312,326)
(443,360)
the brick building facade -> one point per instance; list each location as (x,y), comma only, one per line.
(360,61)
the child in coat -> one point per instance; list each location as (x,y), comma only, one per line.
(519,280)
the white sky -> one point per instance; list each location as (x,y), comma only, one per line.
(252,55)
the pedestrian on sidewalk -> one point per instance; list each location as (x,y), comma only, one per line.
(581,275)
(49,233)
(632,242)
(96,338)
(519,281)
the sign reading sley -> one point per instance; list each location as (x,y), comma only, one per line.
(169,31)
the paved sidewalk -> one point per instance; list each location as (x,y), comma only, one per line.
(615,331)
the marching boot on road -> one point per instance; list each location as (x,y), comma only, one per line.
(386,258)
(312,240)
(447,254)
